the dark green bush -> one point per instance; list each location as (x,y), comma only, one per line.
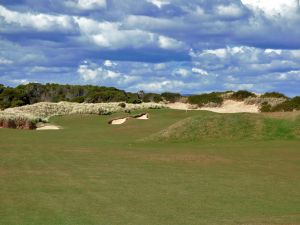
(265,107)
(171,97)
(79,99)
(133,98)
(204,99)
(273,95)
(2,87)
(122,105)
(152,97)
(242,95)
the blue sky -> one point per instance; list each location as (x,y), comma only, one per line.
(153,45)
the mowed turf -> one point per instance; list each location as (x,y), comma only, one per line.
(94,173)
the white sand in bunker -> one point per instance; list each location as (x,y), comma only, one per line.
(143,116)
(118,121)
(48,127)
(229,106)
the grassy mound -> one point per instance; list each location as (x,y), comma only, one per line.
(209,126)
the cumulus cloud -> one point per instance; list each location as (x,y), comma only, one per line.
(159,3)
(182,72)
(87,4)
(39,21)
(231,10)
(155,44)
(200,71)
(109,63)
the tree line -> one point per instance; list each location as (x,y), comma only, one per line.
(34,92)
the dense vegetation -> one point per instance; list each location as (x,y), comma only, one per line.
(204,99)
(35,92)
(242,95)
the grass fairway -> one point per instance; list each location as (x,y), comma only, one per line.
(94,173)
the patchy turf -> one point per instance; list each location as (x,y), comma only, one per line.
(93,173)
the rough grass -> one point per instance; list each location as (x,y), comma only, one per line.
(91,173)
(212,126)
(18,121)
(26,117)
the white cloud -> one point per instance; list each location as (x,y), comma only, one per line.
(200,71)
(221,52)
(160,86)
(19,81)
(87,4)
(182,72)
(87,74)
(231,10)
(169,43)
(159,3)
(40,22)
(277,51)
(273,7)
(4,61)
(160,66)
(109,63)
(90,74)
(111,35)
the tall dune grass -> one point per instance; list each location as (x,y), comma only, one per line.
(18,120)
(26,117)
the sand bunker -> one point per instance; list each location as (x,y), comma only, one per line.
(48,127)
(229,106)
(118,121)
(143,116)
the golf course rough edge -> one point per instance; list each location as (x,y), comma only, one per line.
(243,126)
(26,117)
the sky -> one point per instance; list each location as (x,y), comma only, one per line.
(186,46)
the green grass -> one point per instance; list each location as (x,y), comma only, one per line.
(94,173)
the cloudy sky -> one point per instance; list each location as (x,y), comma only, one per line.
(186,46)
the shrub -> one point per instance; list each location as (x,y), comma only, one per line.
(266,107)
(79,99)
(122,105)
(273,95)
(287,106)
(242,95)
(171,97)
(204,99)
(296,101)
(19,121)
(152,97)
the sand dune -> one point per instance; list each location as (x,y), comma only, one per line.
(229,106)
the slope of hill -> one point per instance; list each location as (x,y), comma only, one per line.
(208,126)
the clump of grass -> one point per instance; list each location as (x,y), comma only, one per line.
(47,109)
(18,121)
(212,99)
(264,100)
(242,95)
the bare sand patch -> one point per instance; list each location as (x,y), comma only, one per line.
(48,127)
(118,121)
(228,106)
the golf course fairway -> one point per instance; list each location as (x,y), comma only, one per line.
(177,168)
